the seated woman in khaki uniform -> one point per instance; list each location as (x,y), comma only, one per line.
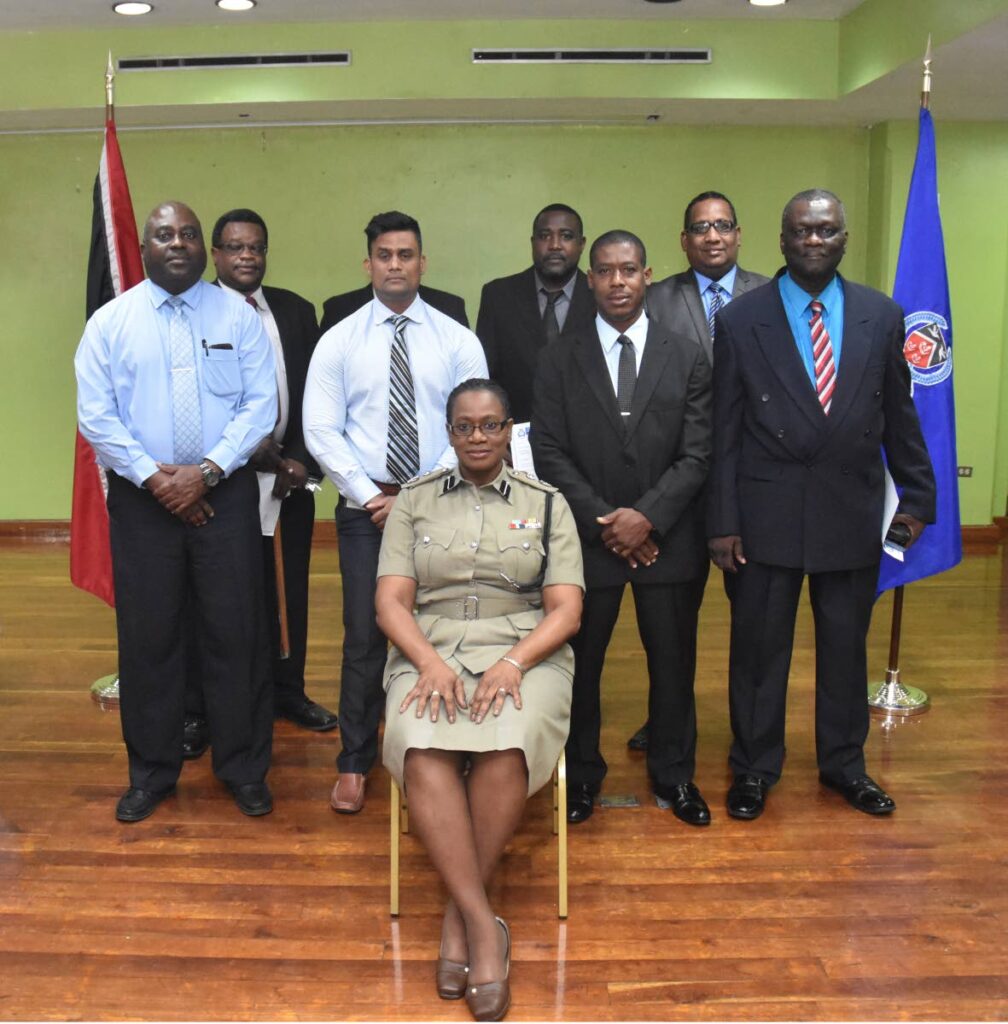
(479,589)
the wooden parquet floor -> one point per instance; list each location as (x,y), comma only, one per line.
(812,912)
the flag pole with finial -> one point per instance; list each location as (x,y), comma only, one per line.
(893,697)
(109,89)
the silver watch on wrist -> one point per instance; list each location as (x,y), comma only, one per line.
(211,476)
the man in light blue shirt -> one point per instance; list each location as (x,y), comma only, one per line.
(374,416)
(175,389)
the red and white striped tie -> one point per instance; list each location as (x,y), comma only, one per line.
(822,355)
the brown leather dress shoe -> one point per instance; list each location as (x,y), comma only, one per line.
(490,1001)
(348,793)
(451,978)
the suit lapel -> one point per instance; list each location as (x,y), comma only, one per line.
(284,326)
(527,309)
(588,353)
(773,334)
(582,306)
(855,349)
(656,354)
(690,292)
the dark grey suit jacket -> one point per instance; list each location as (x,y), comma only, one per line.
(657,462)
(510,329)
(677,304)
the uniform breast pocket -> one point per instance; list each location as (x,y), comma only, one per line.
(521,555)
(222,372)
(430,554)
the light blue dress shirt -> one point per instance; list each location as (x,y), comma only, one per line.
(346,400)
(797,303)
(609,337)
(123,366)
(727,284)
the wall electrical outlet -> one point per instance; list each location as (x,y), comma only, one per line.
(965,470)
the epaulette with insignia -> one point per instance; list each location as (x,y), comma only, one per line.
(540,485)
(434,474)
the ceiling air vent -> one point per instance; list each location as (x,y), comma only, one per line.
(594,56)
(339,58)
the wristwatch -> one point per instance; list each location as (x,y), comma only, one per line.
(211,476)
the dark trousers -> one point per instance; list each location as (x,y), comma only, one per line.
(764,606)
(362,698)
(160,566)
(667,623)
(297,522)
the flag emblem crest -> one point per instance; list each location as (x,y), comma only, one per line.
(925,348)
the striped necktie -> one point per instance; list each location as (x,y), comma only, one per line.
(403,456)
(714,291)
(822,356)
(187,422)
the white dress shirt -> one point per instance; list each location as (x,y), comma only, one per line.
(346,401)
(609,337)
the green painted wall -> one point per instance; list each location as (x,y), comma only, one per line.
(474,190)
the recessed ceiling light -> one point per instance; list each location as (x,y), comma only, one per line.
(132,8)
(236,5)
(768,3)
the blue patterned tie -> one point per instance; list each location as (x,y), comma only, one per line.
(403,456)
(186,417)
(715,304)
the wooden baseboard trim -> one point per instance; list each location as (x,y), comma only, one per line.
(977,540)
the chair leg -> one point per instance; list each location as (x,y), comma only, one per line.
(560,828)
(394,810)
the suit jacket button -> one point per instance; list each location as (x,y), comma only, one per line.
(867,433)
(780,433)
(764,398)
(878,394)
(845,469)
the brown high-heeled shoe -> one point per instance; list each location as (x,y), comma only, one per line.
(451,978)
(490,1001)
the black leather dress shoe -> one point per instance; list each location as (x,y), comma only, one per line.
(137,804)
(639,739)
(580,804)
(194,737)
(309,715)
(253,798)
(864,793)
(747,797)
(687,803)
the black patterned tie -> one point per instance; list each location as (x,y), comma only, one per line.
(626,375)
(550,321)
(403,456)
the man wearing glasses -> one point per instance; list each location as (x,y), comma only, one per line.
(688,302)
(285,469)
(374,417)
(810,385)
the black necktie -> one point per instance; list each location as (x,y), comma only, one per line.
(626,375)
(550,321)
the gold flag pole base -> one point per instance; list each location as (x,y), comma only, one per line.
(105,692)
(895,698)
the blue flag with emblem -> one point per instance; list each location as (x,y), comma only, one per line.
(921,289)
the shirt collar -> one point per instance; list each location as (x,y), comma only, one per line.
(727,282)
(800,300)
(257,296)
(416,312)
(191,296)
(608,335)
(501,483)
(568,288)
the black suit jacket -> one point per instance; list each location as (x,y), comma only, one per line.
(511,330)
(676,302)
(803,489)
(339,307)
(299,332)
(656,463)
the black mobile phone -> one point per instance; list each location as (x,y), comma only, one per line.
(898,534)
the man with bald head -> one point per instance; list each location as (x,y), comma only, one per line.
(810,388)
(175,389)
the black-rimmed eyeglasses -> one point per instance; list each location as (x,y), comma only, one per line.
(489,427)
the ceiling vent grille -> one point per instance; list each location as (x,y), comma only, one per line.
(339,58)
(592,56)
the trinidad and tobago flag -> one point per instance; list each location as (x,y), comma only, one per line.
(114,265)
